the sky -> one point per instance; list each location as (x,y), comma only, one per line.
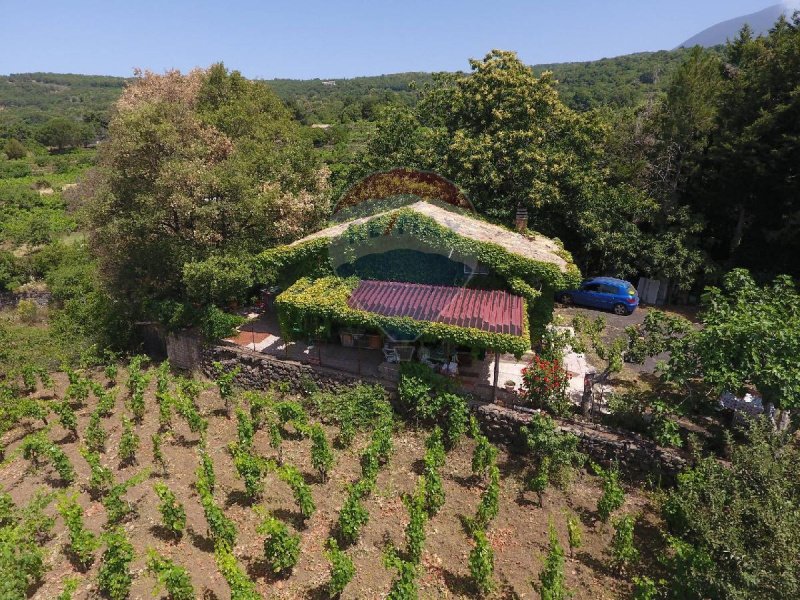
(337,38)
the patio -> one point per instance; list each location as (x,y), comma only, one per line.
(262,334)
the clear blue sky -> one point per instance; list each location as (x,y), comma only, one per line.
(337,38)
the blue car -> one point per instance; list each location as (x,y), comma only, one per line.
(606,293)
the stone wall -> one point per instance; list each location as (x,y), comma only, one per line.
(638,458)
(260,371)
(11,299)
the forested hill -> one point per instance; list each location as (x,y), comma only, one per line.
(30,99)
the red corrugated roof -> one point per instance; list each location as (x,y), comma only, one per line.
(490,310)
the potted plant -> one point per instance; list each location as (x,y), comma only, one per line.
(510,385)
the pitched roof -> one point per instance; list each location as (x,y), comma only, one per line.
(494,311)
(535,247)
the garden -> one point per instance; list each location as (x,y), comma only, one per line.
(128,480)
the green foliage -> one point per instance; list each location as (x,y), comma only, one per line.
(489,505)
(173,577)
(250,469)
(101,478)
(324,300)
(70,586)
(556,454)
(281,548)
(433,461)
(575,533)
(352,517)
(484,456)
(14,149)
(623,551)
(242,587)
(114,577)
(173,515)
(82,543)
(220,527)
(417,518)
(245,429)
(137,383)
(37,447)
(158,454)
(224,380)
(613,495)
(291,412)
(404,585)
(186,408)
(129,442)
(481,563)
(342,568)
(67,418)
(21,561)
(302,493)
(117,508)
(321,454)
(551,578)
(106,400)
(644,588)
(734,529)
(95,436)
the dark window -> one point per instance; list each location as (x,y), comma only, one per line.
(609,289)
(591,287)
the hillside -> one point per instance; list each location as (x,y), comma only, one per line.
(30,99)
(760,22)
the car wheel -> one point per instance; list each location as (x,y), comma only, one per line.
(566,299)
(620,309)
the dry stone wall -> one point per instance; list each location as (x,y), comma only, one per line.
(636,456)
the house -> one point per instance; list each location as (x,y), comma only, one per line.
(417,279)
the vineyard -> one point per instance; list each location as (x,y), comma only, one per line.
(126,481)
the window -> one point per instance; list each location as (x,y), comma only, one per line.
(591,287)
(608,289)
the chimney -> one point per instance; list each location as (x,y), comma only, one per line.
(521,222)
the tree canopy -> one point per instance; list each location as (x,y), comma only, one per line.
(197,165)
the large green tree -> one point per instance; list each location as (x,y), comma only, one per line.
(503,135)
(198,165)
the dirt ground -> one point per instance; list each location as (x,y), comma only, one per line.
(518,535)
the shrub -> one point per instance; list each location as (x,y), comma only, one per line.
(206,478)
(173,577)
(36,448)
(242,587)
(541,478)
(165,403)
(249,469)
(551,578)
(544,441)
(173,515)
(613,496)
(489,504)
(417,517)
(100,479)
(302,493)
(276,440)
(644,588)
(575,533)
(404,586)
(70,586)
(21,561)
(623,552)
(434,448)
(27,311)
(78,389)
(342,568)
(67,418)
(106,400)
(187,409)
(281,548)
(481,563)
(321,454)
(434,490)
(111,370)
(483,456)
(82,543)
(114,577)
(137,383)
(544,385)
(352,517)
(455,418)
(95,436)
(224,380)
(290,412)
(158,455)
(117,508)
(244,429)
(734,527)
(128,443)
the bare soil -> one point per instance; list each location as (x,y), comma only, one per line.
(518,535)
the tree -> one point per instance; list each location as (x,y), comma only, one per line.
(748,339)
(197,166)
(502,134)
(14,149)
(734,529)
(61,132)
